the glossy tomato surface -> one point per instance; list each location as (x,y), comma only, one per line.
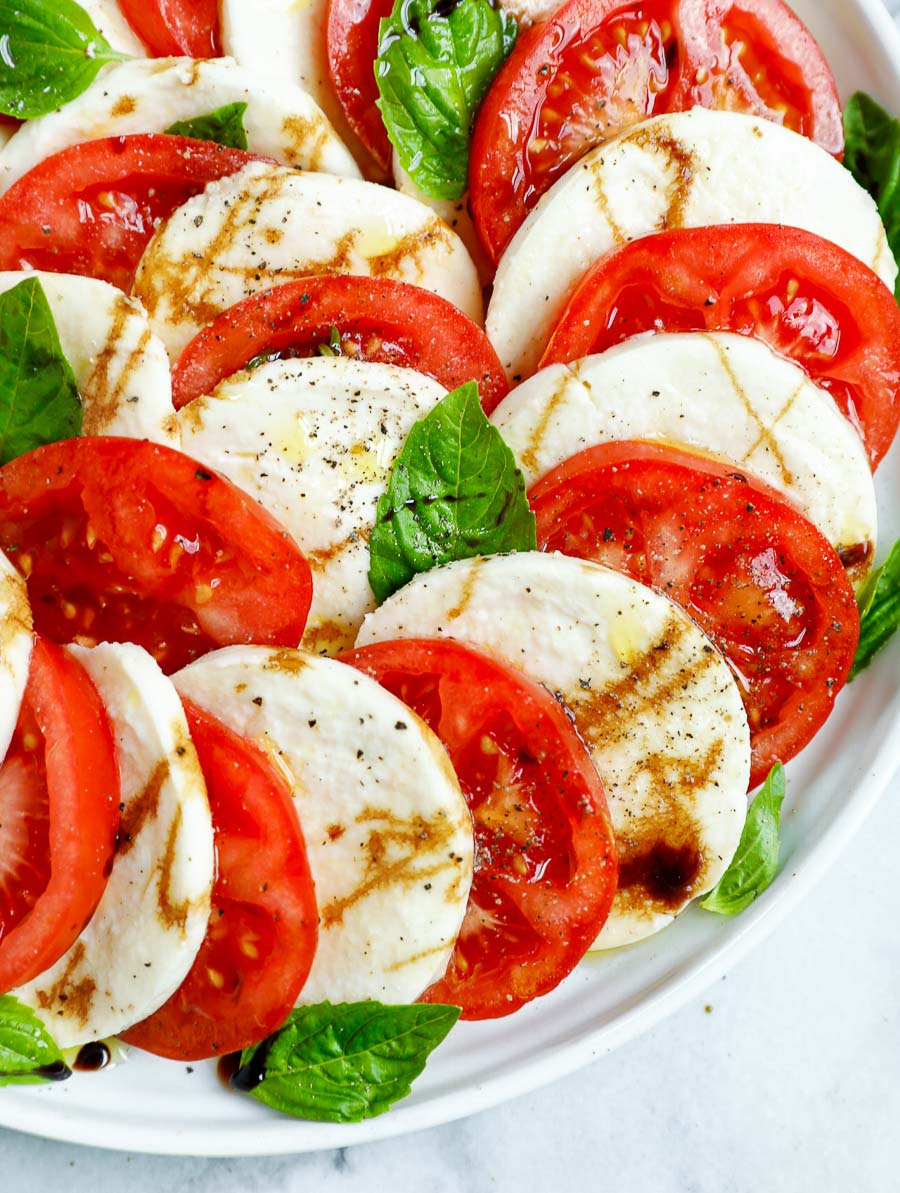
(121,540)
(807,298)
(59,815)
(263,925)
(92,208)
(596,67)
(169,28)
(545,857)
(352,44)
(378,319)
(753,573)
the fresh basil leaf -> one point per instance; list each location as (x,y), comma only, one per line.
(344,1063)
(333,347)
(225,126)
(436,59)
(455,492)
(879,611)
(756,860)
(39,400)
(872,155)
(28,1053)
(49,54)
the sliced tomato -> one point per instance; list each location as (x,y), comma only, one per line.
(92,208)
(169,28)
(378,319)
(545,856)
(807,298)
(759,578)
(121,540)
(263,925)
(59,815)
(596,67)
(351,38)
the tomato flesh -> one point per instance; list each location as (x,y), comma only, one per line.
(804,296)
(545,857)
(121,540)
(171,28)
(757,577)
(91,209)
(351,35)
(59,815)
(378,320)
(263,925)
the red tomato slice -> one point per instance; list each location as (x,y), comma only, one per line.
(263,925)
(596,67)
(92,208)
(351,36)
(759,578)
(59,815)
(169,28)
(121,540)
(378,319)
(804,296)
(545,857)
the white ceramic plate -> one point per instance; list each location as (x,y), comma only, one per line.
(158,1106)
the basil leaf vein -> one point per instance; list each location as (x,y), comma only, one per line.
(879,611)
(28,1053)
(49,54)
(435,62)
(225,126)
(344,1063)
(455,492)
(755,862)
(872,155)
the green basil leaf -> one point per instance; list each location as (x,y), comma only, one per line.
(756,860)
(872,155)
(436,59)
(333,347)
(49,54)
(28,1053)
(455,492)
(225,126)
(39,400)
(879,611)
(344,1063)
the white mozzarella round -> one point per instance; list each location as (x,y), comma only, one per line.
(388,833)
(729,395)
(16,641)
(655,703)
(107,17)
(684,170)
(150,95)
(266,225)
(121,368)
(152,918)
(314,442)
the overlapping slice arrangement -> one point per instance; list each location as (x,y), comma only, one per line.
(512,758)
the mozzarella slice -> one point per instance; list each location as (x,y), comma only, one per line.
(314,442)
(141,941)
(266,225)
(108,18)
(149,95)
(121,368)
(685,170)
(728,395)
(388,834)
(655,703)
(15,648)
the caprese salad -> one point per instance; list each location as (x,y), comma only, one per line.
(437,448)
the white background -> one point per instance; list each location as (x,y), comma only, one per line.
(783,1078)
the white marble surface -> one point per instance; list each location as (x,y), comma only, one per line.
(785,1077)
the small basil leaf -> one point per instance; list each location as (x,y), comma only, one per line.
(333,347)
(436,59)
(879,611)
(344,1063)
(756,860)
(28,1053)
(872,155)
(225,126)
(455,492)
(39,401)
(49,54)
